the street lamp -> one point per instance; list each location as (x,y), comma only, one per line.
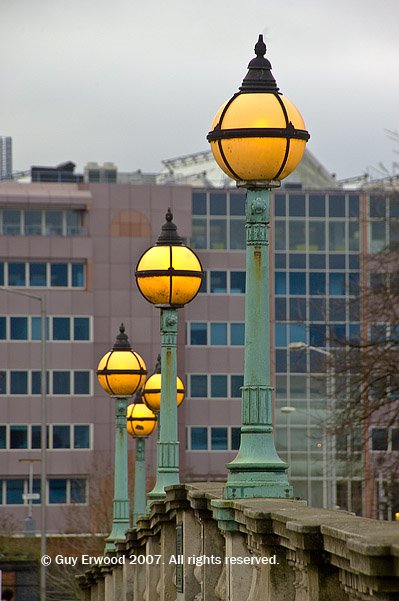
(43,433)
(168,275)
(258,137)
(140,423)
(121,373)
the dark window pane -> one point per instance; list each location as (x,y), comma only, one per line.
(395,439)
(14,492)
(61,437)
(297,235)
(280,261)
(297,283)
(37,274)
(204,288)
(81,382)
(317,283)
(78,491)
(280,334)
(3,440)
(81,437)
(33,223)
(317,335)
(78,280)
(19,328)
(297,261)
(296,204)
(61,382)
(218,439)
(317,261)
(280,305)
(297,309)
(317,235)
(354,284)
(57,491)
(199,203)
(198,235)
(218,334)
(377,206)
(337,309)
(218,282)
(198,333)
(298,361)
(353,205)
(337,261)
(237,282)
(337,205)
(279,205)
(237,204)
(379,439)
(59,274)
(280,282)
(218,234)
(199,439)
(11,222)
(236,383)
(235,438)
(16,274)
(280,242)
(281,361)
(337,334)
(218,386)
(3,382)
(199,386)
(18,437)
(37,328)
(3,333)
(36,436)
(317,205)
(36,488)
(237,234)
(53,223)
(237,334)
(81,328)
(217,203)
(337,284)
(61,328)
(1,274)
(354,262)
(19,382)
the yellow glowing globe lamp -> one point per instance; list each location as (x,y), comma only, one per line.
(122,371)
(169,274)
(152,392)
(140,420)
(258,134)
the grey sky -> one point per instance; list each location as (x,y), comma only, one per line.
(138,81)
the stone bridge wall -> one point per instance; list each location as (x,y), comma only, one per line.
(287,552)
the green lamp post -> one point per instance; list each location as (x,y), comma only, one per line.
(169,276)
(258,137)
(140,423)
(121,372)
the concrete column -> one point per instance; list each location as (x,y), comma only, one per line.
(152,572)
(168,569)
(192,551)
(128,580)
(117,583)
(238,577)
(213,543)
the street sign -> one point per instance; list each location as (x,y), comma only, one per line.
(35,496)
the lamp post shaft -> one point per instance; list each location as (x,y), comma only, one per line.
(168,444)
(139,480)
(120,521)
(257,470)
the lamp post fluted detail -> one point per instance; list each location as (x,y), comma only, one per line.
(258,137)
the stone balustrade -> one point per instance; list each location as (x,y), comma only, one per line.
(195,546)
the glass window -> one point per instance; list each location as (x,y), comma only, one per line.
(297,332)
(204,287)
(61,437)
(298,361)
(18,437)
(61,328)
(354,262)
(236,383)
(3,382)
(199,439)
(217,203)
(279,235)
(59,274)
(218,282)
(237,282)
(296,203)
(1,274)
(57,491)
(16,274)
(218,234)
(280,261)
(337,235)
(78,491)
(281,334)
(337,284)
(18,328)
(377,236)
(395,439)
(36,436)
(353,205)
(354,284)
(237,334)
(198,236)
(317,261)
(37,274)
(353,236)
(237,234)
(81,328)
(19,382)
(73,222)
(281,361)
(298,309)
(379,439)
(297,261)
(14,492)
(317,235)
(298,386)
(3,441)
(81,382)
(218,334)
(237,204)
(235,438)
(317,335)
(81,437)
(198,333)
(337,309)
(317,309)
(78,275)
(337,261)
(199,203)
(337,205)
(218,386)
(377,205)
(317,205)
(279,205)
(33,223)
(297,235)
(199,386)
(280,309)
(280,282)
(317,283)
(53,221)
(11,222)
(3,331)
(297,283)
(61,382)
(219,439)
(37,328)
(337,334)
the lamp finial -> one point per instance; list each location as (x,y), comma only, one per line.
(169,235)
(259,77)
(122,341)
